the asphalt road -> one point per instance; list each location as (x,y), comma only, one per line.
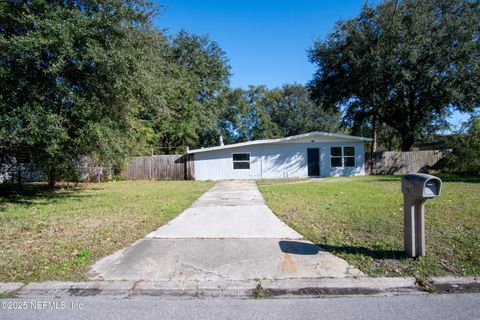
(424,307)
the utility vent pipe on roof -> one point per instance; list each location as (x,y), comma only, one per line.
(220,140)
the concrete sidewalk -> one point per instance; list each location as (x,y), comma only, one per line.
(229,233)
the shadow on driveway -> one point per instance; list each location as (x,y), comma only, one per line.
(298,247)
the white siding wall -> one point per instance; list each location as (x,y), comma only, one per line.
(276,160)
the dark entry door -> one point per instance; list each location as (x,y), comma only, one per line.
(313,159)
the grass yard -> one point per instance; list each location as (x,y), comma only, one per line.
(281,181)
(57,235)
(361,220)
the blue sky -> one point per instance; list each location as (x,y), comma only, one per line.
(265,40)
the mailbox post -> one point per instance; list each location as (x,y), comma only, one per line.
(417,188)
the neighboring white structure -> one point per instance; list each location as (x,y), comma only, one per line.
(314,154)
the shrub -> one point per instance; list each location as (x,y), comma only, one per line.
(465,155)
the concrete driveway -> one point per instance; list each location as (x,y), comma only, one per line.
(229,233)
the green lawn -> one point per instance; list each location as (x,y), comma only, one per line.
(361,220)
(281,181)
(57,235)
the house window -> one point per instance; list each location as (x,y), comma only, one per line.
(241,161)
(342,157)
(336,156)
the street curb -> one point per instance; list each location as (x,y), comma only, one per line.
(340,287)
(9,288)
(456,284)
(305,287)
(221,288)
(59,289)
(127,289)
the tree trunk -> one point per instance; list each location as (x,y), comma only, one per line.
(51,178)
(373,147)
(19,174)
(407,141)
(408,138)
(390,144)
(374,133)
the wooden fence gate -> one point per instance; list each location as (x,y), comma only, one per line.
(163,167)
(398,162)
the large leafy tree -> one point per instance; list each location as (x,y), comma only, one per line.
(405,63)
(294,112)
(69,79)
(260,113)
(246,115)
(95,79)
(198,73)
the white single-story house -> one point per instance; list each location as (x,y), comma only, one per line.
(314,154)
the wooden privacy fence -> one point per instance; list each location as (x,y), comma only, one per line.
(399,162)
(164,167)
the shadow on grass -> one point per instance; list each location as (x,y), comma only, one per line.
(447,177)
(36,194)
(382,178)
(373,253)
(305,248)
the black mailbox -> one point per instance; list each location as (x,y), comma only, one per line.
(420,185)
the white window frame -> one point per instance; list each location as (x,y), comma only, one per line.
(248,161)
(343,156)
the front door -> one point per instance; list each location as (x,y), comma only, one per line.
(313,159)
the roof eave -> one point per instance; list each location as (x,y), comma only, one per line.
(300,136)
